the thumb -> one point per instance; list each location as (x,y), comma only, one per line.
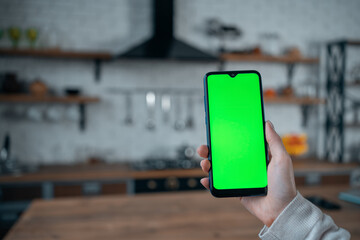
(276,146)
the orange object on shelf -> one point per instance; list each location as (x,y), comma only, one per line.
(293,52)
(38,88)
(295,144)
(270,92)
(287,91)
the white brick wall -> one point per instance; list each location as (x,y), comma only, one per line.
(115,25)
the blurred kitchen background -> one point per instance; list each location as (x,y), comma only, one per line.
(90,106)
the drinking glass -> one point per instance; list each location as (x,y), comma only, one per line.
(32,35)
(15,35)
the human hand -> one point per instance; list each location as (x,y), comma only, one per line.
(281,183)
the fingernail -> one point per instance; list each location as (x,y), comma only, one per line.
(272,125)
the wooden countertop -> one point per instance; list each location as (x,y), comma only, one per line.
(71,173)
(190,215)
(122,171)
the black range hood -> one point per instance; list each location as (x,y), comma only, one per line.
(163,44)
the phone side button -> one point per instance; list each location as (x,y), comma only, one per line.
(205,120)
(204,103)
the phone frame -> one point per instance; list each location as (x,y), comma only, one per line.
(243,192)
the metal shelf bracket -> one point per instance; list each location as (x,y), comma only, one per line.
(82,113)
(97,69)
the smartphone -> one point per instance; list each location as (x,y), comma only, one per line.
(235,125)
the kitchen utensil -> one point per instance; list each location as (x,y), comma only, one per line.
(6,163)
(179,122)
(150,98)
(190,113)
(128,109)
(165,107)
(5,150)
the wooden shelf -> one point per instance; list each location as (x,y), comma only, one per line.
(55,53)
(294,100)
(24,98)
(353,42)
(265,58)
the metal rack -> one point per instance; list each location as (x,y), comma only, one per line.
(335,99)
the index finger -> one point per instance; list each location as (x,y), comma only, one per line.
(203,151)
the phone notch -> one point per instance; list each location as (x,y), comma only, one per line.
(232,75)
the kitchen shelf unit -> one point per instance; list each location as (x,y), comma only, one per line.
(335,88)
(97,57)
(33,99)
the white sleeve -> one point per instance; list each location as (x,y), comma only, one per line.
(303,220)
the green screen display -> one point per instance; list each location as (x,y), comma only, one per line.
(236,131)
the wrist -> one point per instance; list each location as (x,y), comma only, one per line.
(271,217)
(269,222)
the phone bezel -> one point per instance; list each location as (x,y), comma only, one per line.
(243,192)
